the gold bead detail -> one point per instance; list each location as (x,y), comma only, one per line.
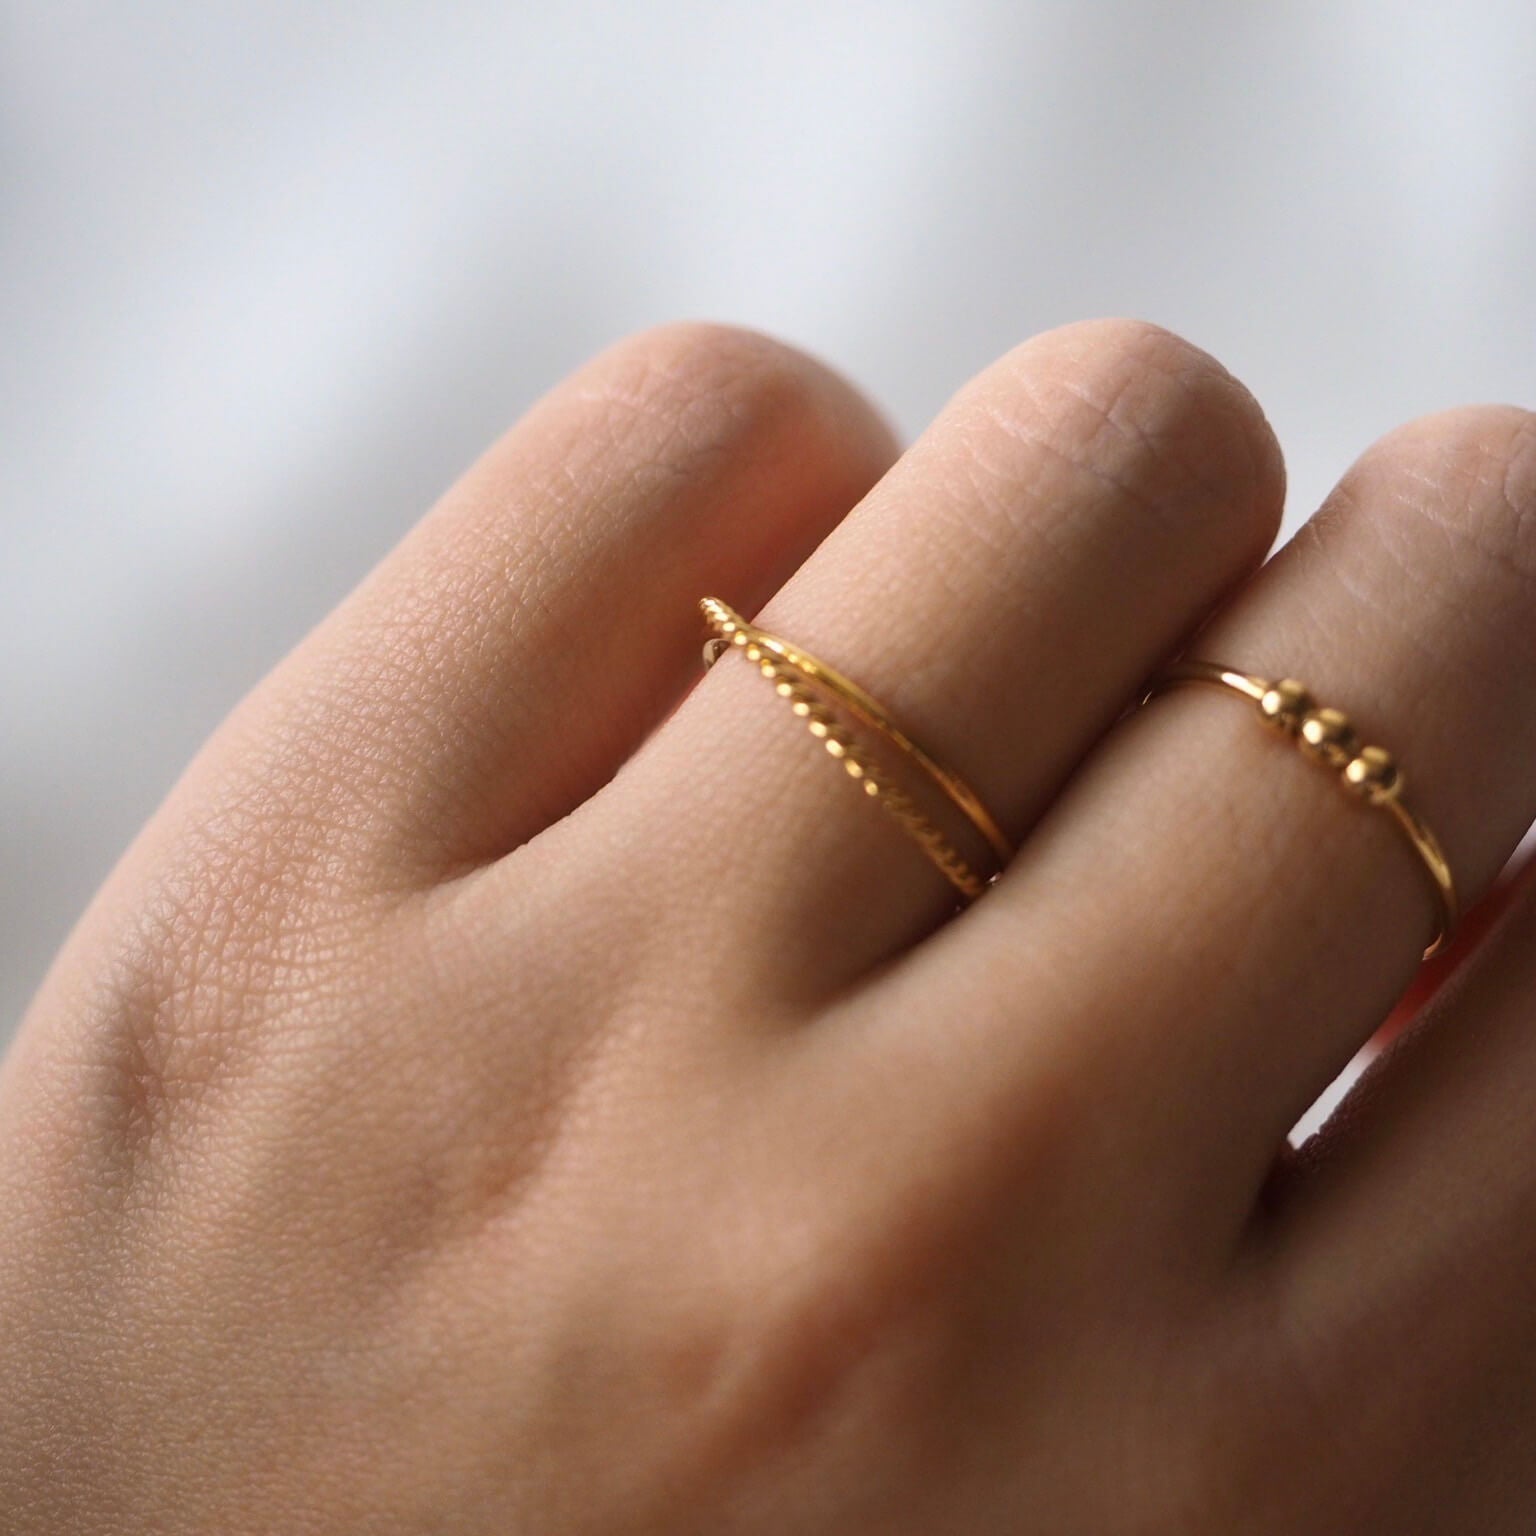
(1374,773)
(1285,704)
(1326,734)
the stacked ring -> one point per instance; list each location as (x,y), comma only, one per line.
(810,685)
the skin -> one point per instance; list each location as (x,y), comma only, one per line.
(514,1084)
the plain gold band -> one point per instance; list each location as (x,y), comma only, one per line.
(1327,736)
(794,670)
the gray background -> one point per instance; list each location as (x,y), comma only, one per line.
(270,274)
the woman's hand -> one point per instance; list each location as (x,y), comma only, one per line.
(485,1100)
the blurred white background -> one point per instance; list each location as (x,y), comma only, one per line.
(271,274)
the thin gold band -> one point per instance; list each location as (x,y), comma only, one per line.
(796,675)
(1327,736)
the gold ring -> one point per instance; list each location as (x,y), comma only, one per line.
(798,677)
(1327,736)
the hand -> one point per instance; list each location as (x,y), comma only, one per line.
(485,1099)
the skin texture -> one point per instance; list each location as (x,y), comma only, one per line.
(509,1088)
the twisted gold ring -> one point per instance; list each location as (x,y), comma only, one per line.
(806,683)
(1327,736)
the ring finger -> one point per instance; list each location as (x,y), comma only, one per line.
(1259,922)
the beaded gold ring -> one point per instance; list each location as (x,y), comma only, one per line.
(809,685)
(1327,736)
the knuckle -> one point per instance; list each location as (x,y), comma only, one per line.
(711,385)
(1136,410)
(1469,474)
(1123,341)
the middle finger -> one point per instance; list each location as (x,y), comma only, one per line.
(1073,512)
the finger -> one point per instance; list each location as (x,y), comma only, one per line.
(1071,513)
(1214,924)
(500,664)
(1405,1231)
